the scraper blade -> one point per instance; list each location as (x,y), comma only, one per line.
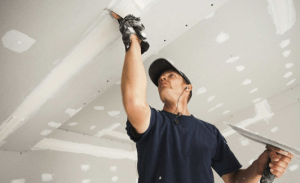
(267,177)
(114,15)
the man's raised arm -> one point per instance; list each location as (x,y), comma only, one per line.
(134,80)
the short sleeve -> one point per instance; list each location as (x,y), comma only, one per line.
(138,137)
(223,160)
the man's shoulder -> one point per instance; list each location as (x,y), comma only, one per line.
(153,108)
(204,122)
(208,125)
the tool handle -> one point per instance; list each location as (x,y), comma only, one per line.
(267,177)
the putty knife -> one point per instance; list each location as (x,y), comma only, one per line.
(114,15)
(267,177)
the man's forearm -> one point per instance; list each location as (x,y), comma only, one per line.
(249,175)
(134,80)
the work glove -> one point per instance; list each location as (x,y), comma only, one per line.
(132,25)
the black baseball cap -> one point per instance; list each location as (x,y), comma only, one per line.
(161,65)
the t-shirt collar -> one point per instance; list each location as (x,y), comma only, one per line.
(185,116)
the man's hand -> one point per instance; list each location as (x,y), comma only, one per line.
(279,161)
(132,28)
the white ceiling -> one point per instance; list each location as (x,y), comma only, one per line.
(193,34)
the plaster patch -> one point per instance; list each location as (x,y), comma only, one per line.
(113,168)
(225,112)
(73,124)
(211,98)
(72,112)
(46,132)
(244,141)
(17,41)
(210,15)
(86,181)
(99,108)
(114,178)
(113,134)
(92,127)
(113,113)
(47,177)
(201,90)
(274,129)
(294,167)
(263,113)
(232,60)
(85,167)
(256,100)
(240,68)
(211,109)
(251,161)
(246,82)
(57,62)
(119,82)
(289,65)
(288,74)
(18,181)
(222,37)
(284,43)
(293,80)
(286,53)
(81,148)
(219,105)
(109,131)
(283,14)
(54,124)
(254,90)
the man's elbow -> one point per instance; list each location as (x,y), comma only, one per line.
(230,177)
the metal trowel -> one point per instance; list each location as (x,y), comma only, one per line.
(267,177)
(114,15)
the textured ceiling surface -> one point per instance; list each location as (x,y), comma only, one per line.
(234,52)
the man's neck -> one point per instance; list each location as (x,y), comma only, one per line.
(180,109)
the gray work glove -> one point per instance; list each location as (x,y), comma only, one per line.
(132,25)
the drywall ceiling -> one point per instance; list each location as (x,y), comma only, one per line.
(61,63)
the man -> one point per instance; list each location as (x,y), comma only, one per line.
(173,146)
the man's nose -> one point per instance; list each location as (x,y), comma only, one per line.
(162,78)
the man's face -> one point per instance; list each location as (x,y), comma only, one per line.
(170,85)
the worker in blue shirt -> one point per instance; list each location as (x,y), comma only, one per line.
(174,146)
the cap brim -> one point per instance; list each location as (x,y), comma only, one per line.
(158,67)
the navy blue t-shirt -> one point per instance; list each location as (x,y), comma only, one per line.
(183,153)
